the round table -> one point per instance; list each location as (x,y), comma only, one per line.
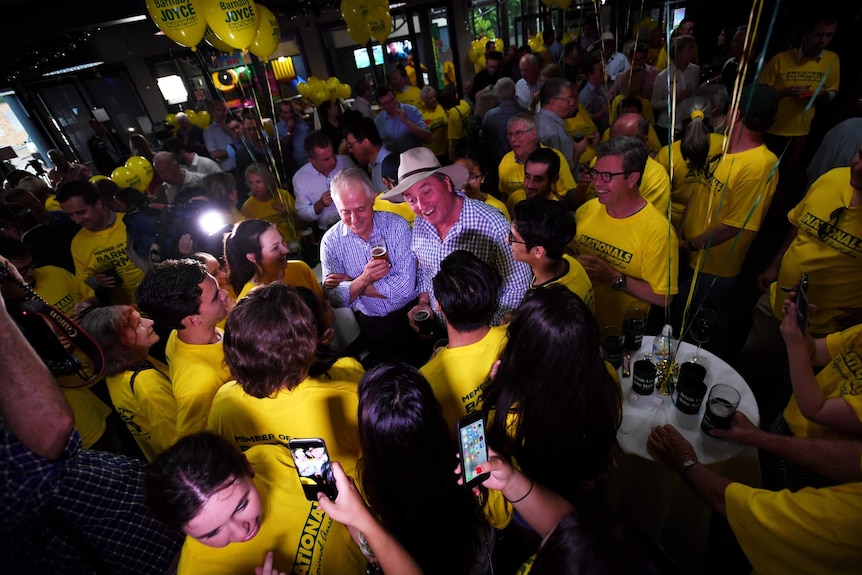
(653,497)
(641,413)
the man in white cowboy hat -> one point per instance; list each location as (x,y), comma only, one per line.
(447,221)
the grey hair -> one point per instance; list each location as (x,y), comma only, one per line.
(348,178)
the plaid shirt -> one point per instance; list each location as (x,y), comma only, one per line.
(101,494)
(482,230)
(343,252)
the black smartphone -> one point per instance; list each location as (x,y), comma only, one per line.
(473,447)
(802,303)
(313,466)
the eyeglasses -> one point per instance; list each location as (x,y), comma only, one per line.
(512,239)
(606,177)
(351,144)
(517,134)
(567,99)
(474,178)
(827,228)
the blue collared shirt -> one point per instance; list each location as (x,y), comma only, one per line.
(396,136)
(343,252)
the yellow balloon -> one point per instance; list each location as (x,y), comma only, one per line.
(234,22)
(344,91)
(332,84)
(142,168)
(380,23)
(563,4)
(172,120)
(97,178)
(216,42)
(180,20)
(191,114)
(359,31)
(268,35)
(498,44)
(354,11)
(126,178)
(204,119)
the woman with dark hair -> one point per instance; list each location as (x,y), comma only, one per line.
(408,454)
(239,509)
(221,190)
(140,391)
(562,404)
(257,255)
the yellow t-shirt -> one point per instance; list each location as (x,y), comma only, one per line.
(840,377)
(148,408)
(51,203)
(655,186)
(323,406)
(196,373)
(297,274)
(740,190)
(94,252)
(511,174)
(301,536)
(89,411)
(810,532)
(834,263)
(582,123)
(495,203)
(410,95)
(684,179)
(60,289)
(575,278)
(641,246)
(786,70)
(400,208)
(273,211)
(437,121)
(459,375)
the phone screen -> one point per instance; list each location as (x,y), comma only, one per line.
(474,448)
(312,464)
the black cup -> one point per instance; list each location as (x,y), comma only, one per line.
(612,346)
(643,377)
(690,387)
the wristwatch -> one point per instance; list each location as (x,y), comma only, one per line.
(620,283)
(688,464)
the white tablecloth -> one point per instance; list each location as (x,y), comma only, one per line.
(642,413)
(654,498)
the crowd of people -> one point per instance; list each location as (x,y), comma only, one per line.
(422,256)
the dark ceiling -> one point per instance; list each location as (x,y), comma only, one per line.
(52,33)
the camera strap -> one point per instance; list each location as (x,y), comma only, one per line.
(32,303)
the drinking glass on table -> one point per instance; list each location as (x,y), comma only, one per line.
(634,326)
(701,330)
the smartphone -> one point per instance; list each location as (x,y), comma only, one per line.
(312,464)
(473,447)
(802,303)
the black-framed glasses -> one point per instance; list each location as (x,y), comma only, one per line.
(351,144)
(474,178)
(512,239)
(606,177)
(827,228)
